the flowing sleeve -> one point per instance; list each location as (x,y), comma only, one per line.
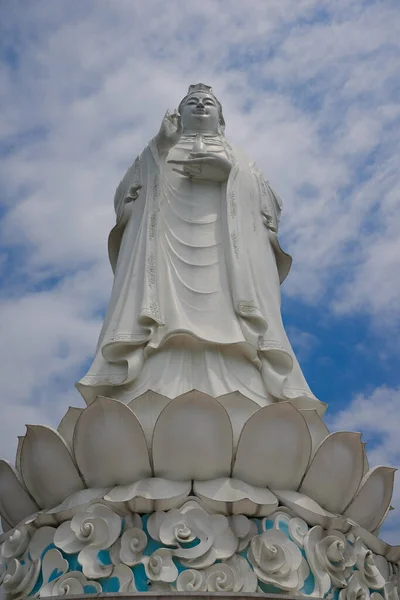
(271,204)
(125,203)
(127,191)
(271,209)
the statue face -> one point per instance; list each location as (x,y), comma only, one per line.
(200,113)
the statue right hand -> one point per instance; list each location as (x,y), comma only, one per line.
(170,131)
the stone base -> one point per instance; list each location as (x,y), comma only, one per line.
(191,551)
(182,595)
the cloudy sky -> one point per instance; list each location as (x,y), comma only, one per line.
(310,90)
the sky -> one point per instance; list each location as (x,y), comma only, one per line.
(310,90)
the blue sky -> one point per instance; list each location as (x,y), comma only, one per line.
(310,90)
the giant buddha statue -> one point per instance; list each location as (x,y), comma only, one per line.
(197,272)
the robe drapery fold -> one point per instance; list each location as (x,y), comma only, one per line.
(255,264)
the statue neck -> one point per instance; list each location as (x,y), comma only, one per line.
(201,132)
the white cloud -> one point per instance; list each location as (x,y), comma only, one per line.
(98,108)
(303,342)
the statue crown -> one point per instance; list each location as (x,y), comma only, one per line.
(199,87)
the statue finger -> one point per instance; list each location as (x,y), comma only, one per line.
(199,154)
(187,161)
(200,160)
(193,169)
(185,173)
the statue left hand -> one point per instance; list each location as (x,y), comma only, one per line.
(204,166)
(133,193)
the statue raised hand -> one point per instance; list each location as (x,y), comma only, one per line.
(170,131)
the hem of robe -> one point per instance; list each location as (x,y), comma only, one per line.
(102,384)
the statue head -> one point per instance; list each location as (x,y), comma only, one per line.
(201,111)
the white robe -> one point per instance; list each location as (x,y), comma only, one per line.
(196,296)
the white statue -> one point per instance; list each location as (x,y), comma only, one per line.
(197,264)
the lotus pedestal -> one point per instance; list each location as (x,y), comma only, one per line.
(194,496)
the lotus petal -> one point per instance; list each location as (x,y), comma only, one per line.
(366,463)
(67,425)
(150,495)
(274,448)
(76,503)
(240,409)
(192,439)
(47,467)
(377,528)
(373,498)
(5,525)
(18,454)
(15,502)
(317,428)
(147,409)
(302,506)
(231,496)
(109,445)
(335,471)
(305,508)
